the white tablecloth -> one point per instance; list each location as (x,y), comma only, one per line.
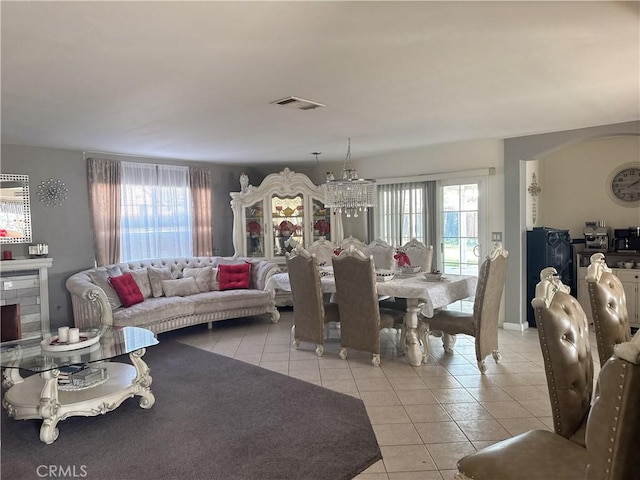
(432,295)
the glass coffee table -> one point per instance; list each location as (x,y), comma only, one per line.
(70,381)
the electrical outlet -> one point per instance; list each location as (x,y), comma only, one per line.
(496,236)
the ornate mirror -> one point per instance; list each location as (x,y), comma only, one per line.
(15,214)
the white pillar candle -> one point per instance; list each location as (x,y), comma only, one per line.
(63,334)
(74,335)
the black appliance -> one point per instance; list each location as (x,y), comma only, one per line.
(626,239)
(547,247)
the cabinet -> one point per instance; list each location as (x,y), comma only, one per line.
(286,209)
(547,247)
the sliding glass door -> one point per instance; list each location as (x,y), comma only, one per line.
(461,225)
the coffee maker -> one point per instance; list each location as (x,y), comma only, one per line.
(596,236)
(627,240)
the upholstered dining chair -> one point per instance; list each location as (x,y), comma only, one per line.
(419,254)
(323,250)
(563,330)
(482,323)
(382,253)
(358,244)
(612,433)
(361,317)
(310,313)
(608,307)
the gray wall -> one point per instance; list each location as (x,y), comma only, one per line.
(67,229)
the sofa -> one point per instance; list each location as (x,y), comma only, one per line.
(170,293)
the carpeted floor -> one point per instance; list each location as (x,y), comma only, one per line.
(214,418)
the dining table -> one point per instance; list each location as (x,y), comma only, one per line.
(424,296)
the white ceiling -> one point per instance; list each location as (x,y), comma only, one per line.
(193,81)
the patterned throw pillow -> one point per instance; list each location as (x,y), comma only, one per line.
(180,287)
(202,276)
(234,276)
(101,278)
(156,276)
(127,289)
(141,277)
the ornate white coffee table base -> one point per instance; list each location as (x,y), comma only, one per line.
(38,396)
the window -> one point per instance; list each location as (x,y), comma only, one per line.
(405,212)
(156,214)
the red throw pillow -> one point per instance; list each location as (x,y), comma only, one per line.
(127,289)
(235,276)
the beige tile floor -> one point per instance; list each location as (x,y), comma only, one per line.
(425,418)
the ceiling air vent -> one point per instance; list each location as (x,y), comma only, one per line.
(299,103)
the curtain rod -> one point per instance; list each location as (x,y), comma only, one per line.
(96,152)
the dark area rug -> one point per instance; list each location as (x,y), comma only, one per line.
(214,418)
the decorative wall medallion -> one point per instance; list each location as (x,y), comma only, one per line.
(52,192)
(534,190)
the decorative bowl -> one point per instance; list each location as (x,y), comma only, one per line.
(433,277)
(384,275)
(628,264)
(409,269)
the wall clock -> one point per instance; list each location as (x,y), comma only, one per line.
(623,185)
(52,192)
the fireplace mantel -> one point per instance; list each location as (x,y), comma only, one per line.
(12,269)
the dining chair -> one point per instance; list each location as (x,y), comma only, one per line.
(323,250)
(482,322)
(563,330)
(608,307)
(419,254)
(612,433)
(361,317)
(348,242)
(311,313)
(382,253)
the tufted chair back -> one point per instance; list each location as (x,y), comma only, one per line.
(382,253)
(323,250)
(357,244)
(419,254)
(608,307)
(564,338)
(613,428)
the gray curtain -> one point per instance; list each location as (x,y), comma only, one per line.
(103,178)
(200,183)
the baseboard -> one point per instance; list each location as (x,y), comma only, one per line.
(520,327)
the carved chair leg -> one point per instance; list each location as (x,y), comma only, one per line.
(448,341)
(376,360)
(423,333)
(496,355)
(320,350)
(343,353)
(482,366)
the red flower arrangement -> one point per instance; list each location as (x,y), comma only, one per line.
(402,258)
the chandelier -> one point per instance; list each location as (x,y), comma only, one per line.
(349,194)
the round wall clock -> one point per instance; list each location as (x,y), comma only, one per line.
(624,185)
(52,192)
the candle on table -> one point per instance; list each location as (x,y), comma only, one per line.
(63,334)
(74,335)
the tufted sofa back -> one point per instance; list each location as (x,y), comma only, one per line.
(564,338)
(609,310)
(259,269)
